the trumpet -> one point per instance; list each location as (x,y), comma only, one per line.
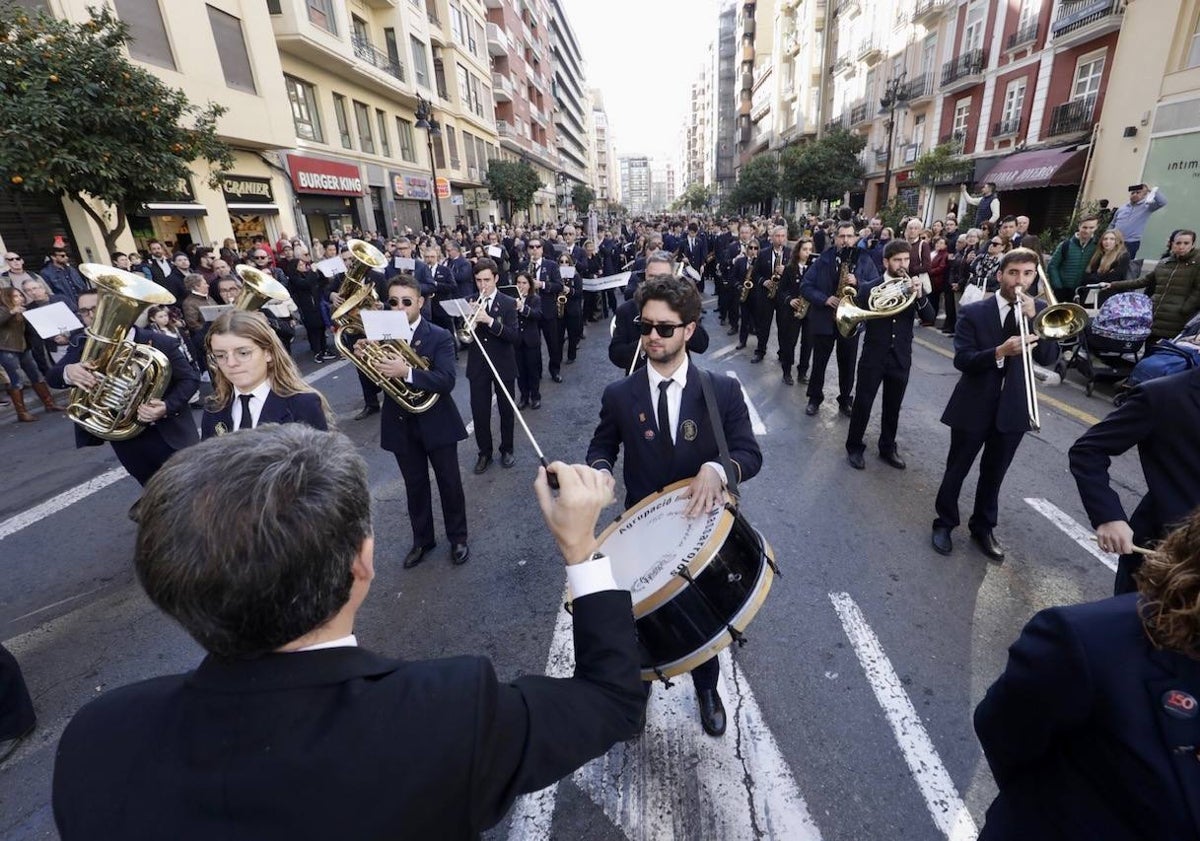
(466,333)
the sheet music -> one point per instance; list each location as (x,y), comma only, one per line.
(331,266)
(495,251)
(566,272)
(457,307)
(214,312)
(385,325)
(406,264)
(53,320)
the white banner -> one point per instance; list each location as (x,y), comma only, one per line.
(612,281)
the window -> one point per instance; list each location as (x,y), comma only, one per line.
(231,50)
(1088,73)
(439,152)
(929,55)
(389,43)
(361,32)
(1193,57)
(973,31)
(918,136)
(869,87)
(472,42)
(303,98)
(420,62)
(274,8)
(439,78)
(1014,101)
(456,24)
(469,148)
(343,120)
(148,39)
(464,88)
(453,143)
(404,131)
(362,119)
(320,13)
(1029,14)
(962,113)
(385,145)
(476,100)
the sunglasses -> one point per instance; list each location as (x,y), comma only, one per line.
(665,331)
(400,302)
(995,242)
(85,310)
(14,259)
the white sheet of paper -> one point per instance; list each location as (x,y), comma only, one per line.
(495,251)
(52,320)
(331,266)
(213,313)
(612,281)
(385,325)
(566,272)
(457,307)
(406,264)
(278,309)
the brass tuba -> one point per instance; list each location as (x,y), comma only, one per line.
(258,288)
(129,374)
(366,258)
(888,299)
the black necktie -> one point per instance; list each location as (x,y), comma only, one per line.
(664,418)
(247,422)
(1010,322)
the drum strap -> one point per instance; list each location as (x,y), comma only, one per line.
(714,418)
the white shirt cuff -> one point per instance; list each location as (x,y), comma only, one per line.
(408,379)
(720,468)
(589,577)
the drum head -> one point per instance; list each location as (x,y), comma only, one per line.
(649,541)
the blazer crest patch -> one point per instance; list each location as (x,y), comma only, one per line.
(690,430)
(221,429)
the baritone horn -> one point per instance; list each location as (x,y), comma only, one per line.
(364,259)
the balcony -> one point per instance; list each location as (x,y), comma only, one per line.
(473,174)
(791,44)
(377,58)
(963,72)
(843,64)
(919,88)
(1083,20)
(869,50)
(497,41)
(505,129)
(1025,37)
(381,4)
(860,112)
(502,88)
(928,11)
(748,28)
(1072,117)
(846,7)
(748,51)
(838,124)
(1006,128)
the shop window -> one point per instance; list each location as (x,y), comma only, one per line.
(148,39)
(231,50)
(404,131)
(343,120)
(303,99)
(362,119)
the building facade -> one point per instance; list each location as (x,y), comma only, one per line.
(721,174)
(607,177)
(572,105)
(635,183)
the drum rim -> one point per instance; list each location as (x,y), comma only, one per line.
(656,599)
(740,621)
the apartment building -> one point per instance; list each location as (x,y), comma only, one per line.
(723,121)
(572,107)
(696,132)
(798,57)
(607,178)
(635,183)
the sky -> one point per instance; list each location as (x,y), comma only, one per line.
(644,55)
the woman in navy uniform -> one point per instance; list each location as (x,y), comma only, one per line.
(254,380)
(529,346)
(791,328)
(667,392)
(570,326)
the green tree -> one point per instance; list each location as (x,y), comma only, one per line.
(84,123)
(695,197)
(823,170)
(757,184)
(582,197)
(942,164)
(513,183)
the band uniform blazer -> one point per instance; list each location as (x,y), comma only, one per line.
(443,281)
(886,336)
(1091,731)
(547,272)
(626,342)
(695,255)
(342,743)
(627,415)
(499,339)
(464,276)
(441,425)
(764,265)
(304,407)
(988,396)
(821,280)
(178,428)
(1160,417)
(529,319)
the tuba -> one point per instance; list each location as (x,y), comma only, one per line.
(129,374)
(888,299)
(366,258)
(258,288)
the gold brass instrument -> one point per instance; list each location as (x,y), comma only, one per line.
(747,282)
(258,289)
(560,303)
(800,306)
(466,333)
(771,284)
(366,258)
(1055,322)
(888,299)
(846,261)
(128,373)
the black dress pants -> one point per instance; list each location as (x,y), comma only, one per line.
(764,315)
(790,330)
(414,466)
(847,353)
(16,708)
(998,451)
(529,371)
(871,374)
(143,455)
(570,331)
(553,344)
(482,388)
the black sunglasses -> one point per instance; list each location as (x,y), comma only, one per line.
(995,242)
(665,331)
(400,302)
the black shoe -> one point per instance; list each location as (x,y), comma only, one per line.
(740,346)
(758,357)
(949,332)
(856,460)
(535,403)
(416,555)
(366,412)
(846,407)
(801,376)
(787,378)
(459,553)
(318,358)
(942,543)
(988,544)
(811,409)
(524,402)
(732,331)
(556,377)
(507,460)
(712,712)
(570,360)
(483,463)
(893,458)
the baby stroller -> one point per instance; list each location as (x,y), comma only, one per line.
(1111,345)
(1165,358)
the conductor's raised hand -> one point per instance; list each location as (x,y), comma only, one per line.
(571,516)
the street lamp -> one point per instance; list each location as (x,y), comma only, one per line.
(895,95)
(426,121)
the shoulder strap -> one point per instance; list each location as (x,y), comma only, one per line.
(714,418)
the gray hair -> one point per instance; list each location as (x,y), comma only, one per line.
(248,539)
(660,257)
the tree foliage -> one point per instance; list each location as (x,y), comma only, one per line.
(942,164)
(757,184)
(582,197)
(82,120)
(823,170)
(695,197)
(512,182)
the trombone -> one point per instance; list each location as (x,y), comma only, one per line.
(1055,322)
(466,333)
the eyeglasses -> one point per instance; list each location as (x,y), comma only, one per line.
(13,258)
(241,354)
(261,257)
(665,331)
(86,310)
(995,242)
(400,302)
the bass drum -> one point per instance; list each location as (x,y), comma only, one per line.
(696,582)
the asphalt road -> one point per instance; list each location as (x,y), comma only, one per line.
(821,742)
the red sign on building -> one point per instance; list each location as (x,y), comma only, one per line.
(328,178)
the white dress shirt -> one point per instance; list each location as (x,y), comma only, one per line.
(415,325)
(674,399)
(348,641)
(1004,306)
(258,400)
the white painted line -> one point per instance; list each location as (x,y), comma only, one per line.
(471,424)
(675,782)
(27,518)
(941,796)
(326,371)
(58,603)
(718,354)
(756,420)
(1073,530)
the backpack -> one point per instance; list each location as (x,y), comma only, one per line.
(1164,359)
(1125,317)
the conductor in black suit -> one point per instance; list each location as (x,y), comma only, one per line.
(988,410)
(429,439)
(626,341)
(169,421)
(659,416)
(546,279)
(1160,418)
(1092,730)
(303,733)
(496,333)
(886,359)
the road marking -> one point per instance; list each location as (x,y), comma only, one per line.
(676,782)
(941,797)
(725,351)
(471,424)
(1068,526)
(27,518)
(58,603)
(1065,408)
(756,420)
(326,371)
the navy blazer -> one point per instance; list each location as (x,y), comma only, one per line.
(304,407)
(529,320)
(177,428)
(821,280)
(694,256)
(765,264)
(987,395)
(882,336)
(548,273)
(1160,417)
(627,414)
(499,339)
(464,276)
(441,425)
(626,341)
(1078,737)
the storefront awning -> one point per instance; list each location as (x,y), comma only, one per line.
(256,208)
(1038,168)
(176,208)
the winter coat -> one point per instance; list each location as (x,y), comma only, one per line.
(1174,287)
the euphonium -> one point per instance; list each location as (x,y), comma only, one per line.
(129,374)
(258,288)
(366,257)
(889,298)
